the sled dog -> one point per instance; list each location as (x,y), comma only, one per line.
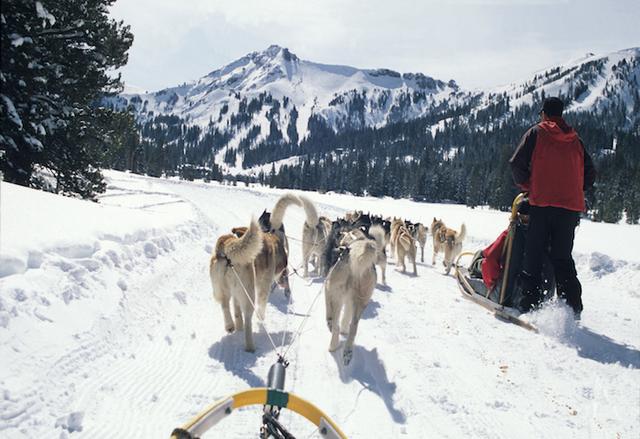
(236,253)
(448,241)
(386,226)
(263,260)
(419,233)
(405,246)
(315,232)
(272,262)
(396,223)
(348,289)
(378,234)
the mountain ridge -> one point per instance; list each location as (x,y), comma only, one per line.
(274,97)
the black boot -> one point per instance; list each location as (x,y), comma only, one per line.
(569,287)
(531,295)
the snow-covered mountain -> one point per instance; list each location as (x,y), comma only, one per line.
(311,88)
(274,97)
(592,82)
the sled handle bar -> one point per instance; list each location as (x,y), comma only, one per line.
(515,204)
(258,396)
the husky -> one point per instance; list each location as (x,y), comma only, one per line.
(353,216)
(259,256)
(271,264)
(377,232)
(333,248)
(419,233)
(396,223)
(315,232)
(386,226)
(405,246)
(233,253)
(448,241)
(348,289)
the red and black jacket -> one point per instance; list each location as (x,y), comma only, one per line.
(552,164)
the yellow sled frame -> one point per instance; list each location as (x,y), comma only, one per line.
(262,396)
(467,290)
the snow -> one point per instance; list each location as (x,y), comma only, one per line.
(309,86)
(266,168)
(44,14)
(595,92)
(99,339)
(11,111)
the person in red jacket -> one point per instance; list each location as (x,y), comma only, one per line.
(552,165)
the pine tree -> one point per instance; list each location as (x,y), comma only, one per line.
(55,61)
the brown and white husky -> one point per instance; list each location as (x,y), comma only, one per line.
(448,241)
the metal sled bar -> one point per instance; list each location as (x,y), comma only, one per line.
(261,396)
(505,274)
(509,243)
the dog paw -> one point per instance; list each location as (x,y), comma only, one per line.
(230,328)
(347,355)
(250,348)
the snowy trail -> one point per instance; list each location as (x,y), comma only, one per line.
(140,346)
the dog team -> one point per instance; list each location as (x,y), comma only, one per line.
(247,263)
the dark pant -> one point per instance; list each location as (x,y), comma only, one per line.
(551,228)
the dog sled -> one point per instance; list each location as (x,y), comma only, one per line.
(273,398)
(490,279)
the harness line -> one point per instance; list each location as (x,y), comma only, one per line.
(260,320)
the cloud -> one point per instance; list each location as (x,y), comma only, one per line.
(477,42)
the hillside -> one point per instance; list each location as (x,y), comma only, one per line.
(272,98)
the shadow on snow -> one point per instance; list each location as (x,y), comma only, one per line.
(229,351)
(602,349)
(367,369)
(371,311)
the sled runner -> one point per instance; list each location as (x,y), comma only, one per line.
(472,289)
(273,398)
(490,279)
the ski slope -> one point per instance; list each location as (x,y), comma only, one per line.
(108,327)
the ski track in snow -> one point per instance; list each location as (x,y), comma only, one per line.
(135,345)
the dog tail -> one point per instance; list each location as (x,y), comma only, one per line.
(405,240)
(362,255)
(310,211)
(462,234)
(245,249)
(377,233)
(280,208)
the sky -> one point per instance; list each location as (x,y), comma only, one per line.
(479,43)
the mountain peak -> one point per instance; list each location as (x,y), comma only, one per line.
(275,52)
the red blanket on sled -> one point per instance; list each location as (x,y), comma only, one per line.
(492,264)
